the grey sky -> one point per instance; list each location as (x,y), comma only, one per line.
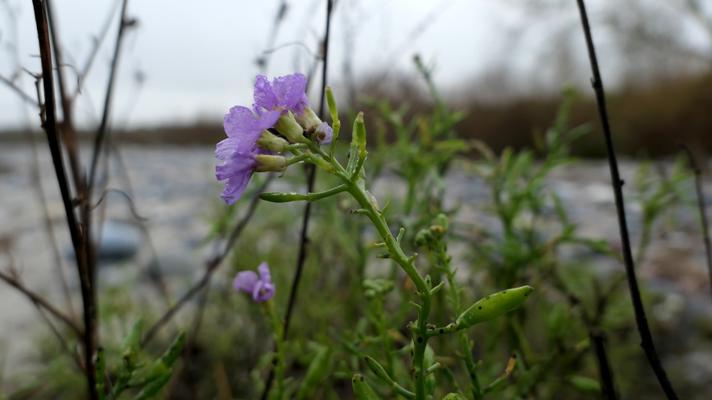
(198,56)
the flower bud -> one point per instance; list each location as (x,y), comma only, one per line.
(288,126)
(331,103)
(268,162)
(323,133)
(308,120)
(359,135)
(271,142)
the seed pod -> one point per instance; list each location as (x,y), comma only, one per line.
(493,306)
(362,391)
(279,197)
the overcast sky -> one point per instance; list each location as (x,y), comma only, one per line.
(198,56)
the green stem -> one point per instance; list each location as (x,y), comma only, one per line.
(396,253)
(278,360)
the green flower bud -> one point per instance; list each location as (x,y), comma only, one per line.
(359,135)
(271,142)
(424,237)
(331,103)
(268,162)
(288,126)
(493,306)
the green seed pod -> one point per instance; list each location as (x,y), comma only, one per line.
(317,372)
(493,306)
(279,197)
(362,391)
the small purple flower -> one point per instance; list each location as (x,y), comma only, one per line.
(260,287)
(238,151)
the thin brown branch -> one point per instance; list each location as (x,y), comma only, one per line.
(98,41)
(68,131)
(108,97)
(41,302)
(20,93)
(641,320)
(79,240)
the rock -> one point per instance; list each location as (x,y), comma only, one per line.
(119,242)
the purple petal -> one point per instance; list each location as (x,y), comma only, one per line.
(263,95)
(236,172)
(290,91)
(262,291)
(241,122)
(323,133)
(263,270)
(245,281)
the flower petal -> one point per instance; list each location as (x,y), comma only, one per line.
(263,95)
(263,270)
(242,123)
(266,292)
(236,172)
(245,281)
(290,92)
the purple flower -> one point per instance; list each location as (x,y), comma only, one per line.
(238,151)
(274,103)
(259,287)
